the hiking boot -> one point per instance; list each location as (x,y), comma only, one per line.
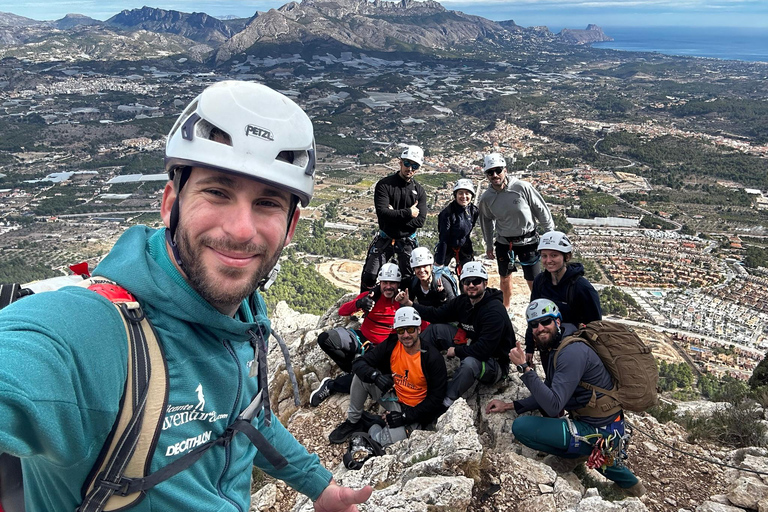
(635,491)
(368,420)
(563,465)
(319,395)
(344,431)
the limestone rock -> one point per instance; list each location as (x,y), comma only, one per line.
(746,492)
(264,499)
(711,506)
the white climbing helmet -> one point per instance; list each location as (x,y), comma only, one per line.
(555,241)
(414,154)
(421,256)
(493,160)
(406,317)
(464,184)
(390,272)
(541,308)
(271,137)
(473,269)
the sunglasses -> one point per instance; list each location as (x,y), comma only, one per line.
(402,330)
(546,322)
(495,170)
(411,165)
(474,281)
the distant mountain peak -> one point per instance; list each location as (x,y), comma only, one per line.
(197,26)
(592,34)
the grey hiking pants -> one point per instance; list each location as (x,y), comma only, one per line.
(358,394)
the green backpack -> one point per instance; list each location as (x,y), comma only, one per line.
(628,360)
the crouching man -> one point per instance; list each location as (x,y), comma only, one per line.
(408,380)
(574,436)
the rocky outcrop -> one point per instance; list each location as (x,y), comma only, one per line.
(471,461)
(71,21)
(592,34)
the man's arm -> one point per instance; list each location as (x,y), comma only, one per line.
(54,400)
(421,204)
(350,308)
(484,347)
(382,201)
(571,364)
(487,225)
(441,315)
(374,360)
(539,209)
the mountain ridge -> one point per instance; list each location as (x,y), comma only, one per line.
(379,25)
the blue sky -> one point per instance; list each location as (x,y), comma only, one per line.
(554,13)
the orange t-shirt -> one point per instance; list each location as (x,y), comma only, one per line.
(410,382)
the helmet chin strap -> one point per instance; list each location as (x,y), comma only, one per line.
(170,233)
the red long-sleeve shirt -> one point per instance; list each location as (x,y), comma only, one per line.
(377,324)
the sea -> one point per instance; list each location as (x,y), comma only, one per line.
(731,43)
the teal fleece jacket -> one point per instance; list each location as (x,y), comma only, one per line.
(63,367)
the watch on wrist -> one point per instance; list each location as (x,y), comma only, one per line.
(522,367)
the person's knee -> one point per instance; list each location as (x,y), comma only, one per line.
(471,365)
(521,427)
(339,350)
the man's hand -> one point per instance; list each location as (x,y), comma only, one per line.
(341,499)
(517,355)
(414,211)
(497,406)
(451,352)
(403,298)
(395,419)
(383,382)
(365,303)
(529,358)
(489,254)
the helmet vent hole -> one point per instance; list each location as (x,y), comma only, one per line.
(286,156)
(206,130)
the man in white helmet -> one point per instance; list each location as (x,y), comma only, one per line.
(405,377)
(344,345)
(401,209)
(454,226)
(480,313)
(240,160)
(510,212)
(571,439)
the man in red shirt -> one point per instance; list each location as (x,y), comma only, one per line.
(345,345)
(408,380)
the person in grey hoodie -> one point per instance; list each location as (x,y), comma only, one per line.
(510,211)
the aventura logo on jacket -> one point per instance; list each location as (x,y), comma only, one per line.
(178,415)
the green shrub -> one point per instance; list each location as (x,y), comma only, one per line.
(738,426)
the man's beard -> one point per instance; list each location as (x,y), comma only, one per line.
(219,296)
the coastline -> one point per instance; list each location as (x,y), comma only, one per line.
(724,43)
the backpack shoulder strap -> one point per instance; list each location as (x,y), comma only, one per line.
(129,448)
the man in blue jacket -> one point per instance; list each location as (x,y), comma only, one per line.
(567,437)
(240,160)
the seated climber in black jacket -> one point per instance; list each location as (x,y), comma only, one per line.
(406,377)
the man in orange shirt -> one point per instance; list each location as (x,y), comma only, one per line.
(408,380)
